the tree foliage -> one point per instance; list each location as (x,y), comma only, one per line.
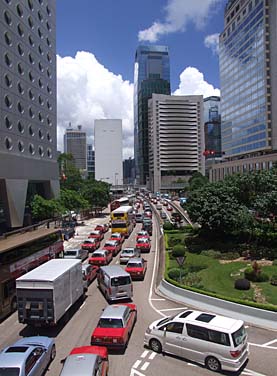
(45,209)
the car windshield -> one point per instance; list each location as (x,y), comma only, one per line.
(128,251)
(97,254)
(163,321)
(109,244)
(110,323)
(134,265)
(88,242)
(69,253)
(142,240)
(239,336)
(9,371)
(119,281)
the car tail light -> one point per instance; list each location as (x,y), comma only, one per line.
(235,354)
(95,339)
(110,291)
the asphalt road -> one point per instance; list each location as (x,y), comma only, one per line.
(136,360)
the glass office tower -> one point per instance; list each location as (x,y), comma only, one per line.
(247,75)
(212,127)
(151,75)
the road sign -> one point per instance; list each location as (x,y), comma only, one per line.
(180,260)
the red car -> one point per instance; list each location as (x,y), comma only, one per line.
(115,326)
(91,359)
(103,228)
(143,244)
(90,244)
(148,214)
(143,234)
(169,208)
(113,246)
(96,234)
(136,267)
(100,257)
(117,236)
(89,273)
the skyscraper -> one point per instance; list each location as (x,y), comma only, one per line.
(248,74)
(90,161)
(75,143)
(212,127)
(108,151)
(151,75)
(176,140)
(28,162)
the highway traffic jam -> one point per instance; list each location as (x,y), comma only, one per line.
(46,295)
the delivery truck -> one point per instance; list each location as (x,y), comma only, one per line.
(46,293)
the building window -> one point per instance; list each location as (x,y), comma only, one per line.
(20,69)
(40,117)
(40,33)
(31,131)
(49,153)
(40,150)
(20,49)
(31,113)
(8,38)
(20,127)
(20,146)
(8,17)
(40,17)
(31,77)
(20,30)
(20,107)
(20,88)
(8,123)
(8,60)
(31,4)
(48,42)
(30,22)
(40,100)
(31,41)
(8,143)
(8,80)
(49,138)
(8,101)
(48,10)
(31,149)
(40,50)
(19,10)
(40,134)
(40,83)
(31,94)
(31,59)
(40,67)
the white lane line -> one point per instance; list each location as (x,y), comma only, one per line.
(253,373)
(152,279)
(144,354)
(262,346)
(191,364)
(269,343)
(144,366)
(134,372)
(136,364)
(173,309)
(152,355)
(158,299)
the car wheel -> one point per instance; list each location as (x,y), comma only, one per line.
(213,364)
(53,353)
(155,345)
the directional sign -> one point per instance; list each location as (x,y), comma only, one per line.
(180,260)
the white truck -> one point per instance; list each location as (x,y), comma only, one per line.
(46,293)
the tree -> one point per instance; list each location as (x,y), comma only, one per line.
(197,181)
(45,209)
(72,200)
(97,193)
(70,176)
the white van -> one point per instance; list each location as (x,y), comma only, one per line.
(115,283)
(218,342)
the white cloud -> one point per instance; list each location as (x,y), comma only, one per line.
(192,82)
(86,91)
(178,13)
(212,42)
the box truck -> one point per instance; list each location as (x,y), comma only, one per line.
(46,293)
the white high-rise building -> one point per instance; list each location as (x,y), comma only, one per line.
(176,139)
(108,151)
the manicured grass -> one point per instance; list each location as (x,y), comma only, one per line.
(219,277)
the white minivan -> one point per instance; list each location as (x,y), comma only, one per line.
(218,342)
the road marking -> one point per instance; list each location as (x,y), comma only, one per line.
(144,366)
(144,354)
(269,343)
(252,373)
(191,364)
(262,346)
(136,364)
(134,372)
(173,309)
(158,299)
(152,355)
(82,305)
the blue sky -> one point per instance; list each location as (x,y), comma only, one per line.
(96,43)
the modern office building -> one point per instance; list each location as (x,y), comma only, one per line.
(75,143)
(129,171)
(108,151)
(176,140)
(90,161)
(151,75)
(248,74)
(212,127)
(28,147)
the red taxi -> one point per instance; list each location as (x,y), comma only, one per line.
(143,234)
(100,257)
(148,214)
(96,234)
(89,273)
(103,228)
(113,246)
(143,244)
(91,244)
(115,326)
(136,267)
(83,360)
(169,208)
(117,236)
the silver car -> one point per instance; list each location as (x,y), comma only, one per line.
(128,253)
(81,254)
(28,356)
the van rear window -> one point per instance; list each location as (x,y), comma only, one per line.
(120,281)
(239,336)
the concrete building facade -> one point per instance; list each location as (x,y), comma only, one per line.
(248,74)
(90,160)
(28,106)
(176,140)
(108,151)
(75,143)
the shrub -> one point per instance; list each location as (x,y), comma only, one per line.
(167,226)
(193,280)
(196,268)
(274,263)
(251,275)
(262,277)
(230,255)
(273,280)
(174,273)
(174,240)
(179,250)
(242,284)
(211,253)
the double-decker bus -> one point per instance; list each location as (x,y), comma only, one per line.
(123,201)
(20,253)
(122,220)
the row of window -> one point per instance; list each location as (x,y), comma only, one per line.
(31,148)
(31,112)
(9,84)
(20,68)
(21,129)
